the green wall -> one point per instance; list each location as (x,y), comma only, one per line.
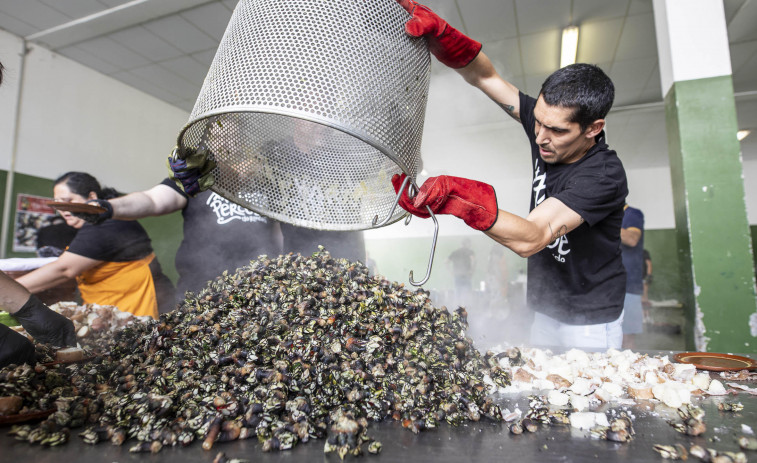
(26,184)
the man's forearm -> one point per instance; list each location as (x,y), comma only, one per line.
(522,236)
(526,236)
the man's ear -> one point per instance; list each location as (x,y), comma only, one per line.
(594,128)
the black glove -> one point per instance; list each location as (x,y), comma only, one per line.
(45,325)
(97,219)
(191,170)
(15,348)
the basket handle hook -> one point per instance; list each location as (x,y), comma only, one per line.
(433,246)
(394,206)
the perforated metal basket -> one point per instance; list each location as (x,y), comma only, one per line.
(310,107)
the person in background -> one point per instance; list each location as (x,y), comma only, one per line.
(632,246)
(53,239)
(647,280)
(571,237)
(463,262)
(113,264)
(38,320)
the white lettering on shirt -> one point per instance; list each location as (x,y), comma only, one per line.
(539,184)
(226,211)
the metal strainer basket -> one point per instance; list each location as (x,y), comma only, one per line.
(310,107)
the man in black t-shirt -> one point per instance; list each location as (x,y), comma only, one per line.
(576,279)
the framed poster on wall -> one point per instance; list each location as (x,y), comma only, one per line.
(32,213)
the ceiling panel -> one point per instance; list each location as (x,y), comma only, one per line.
(487,22)
(189,68)
(205,57)
(140,40)
(108,50)
(88,59)
(505,55)
(182,34)
(34,13)
(166,79)
(211,18)
(137,81)
(15,26)
(598,40)
(592,10)
(541,52)
(640,6)
(536,16)
(632,74)
(638,38)
(76,8)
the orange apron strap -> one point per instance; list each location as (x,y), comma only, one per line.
(126,285)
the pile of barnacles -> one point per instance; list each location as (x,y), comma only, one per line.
(284,350)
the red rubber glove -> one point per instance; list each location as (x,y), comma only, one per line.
(449,45)
(474,202)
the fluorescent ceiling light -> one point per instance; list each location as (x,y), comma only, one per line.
(742,134)
(569,46)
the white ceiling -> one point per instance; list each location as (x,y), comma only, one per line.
(164,48)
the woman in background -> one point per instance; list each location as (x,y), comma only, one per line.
(113,263)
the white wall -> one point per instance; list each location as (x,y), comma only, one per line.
(73,118)
(10,56)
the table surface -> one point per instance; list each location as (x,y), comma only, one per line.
(481,441)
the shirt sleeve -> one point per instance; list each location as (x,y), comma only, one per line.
(526,110)
(633,218)
(593,197)
(171,184)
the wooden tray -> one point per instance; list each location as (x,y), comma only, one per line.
(714,361)
(76,207)
(24,417)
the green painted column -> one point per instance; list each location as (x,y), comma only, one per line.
(714,239)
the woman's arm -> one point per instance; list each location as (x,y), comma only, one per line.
(64,268)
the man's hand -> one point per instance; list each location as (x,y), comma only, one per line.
(96,219)
(15,348)
(45,325)
(450,46)
(191,170)
(474,202)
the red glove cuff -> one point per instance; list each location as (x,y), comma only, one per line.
(474,202)
(453,48)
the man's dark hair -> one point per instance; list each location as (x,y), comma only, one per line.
(1,73)
(583,87)
(82,183)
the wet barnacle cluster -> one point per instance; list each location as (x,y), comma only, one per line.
(284,350)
